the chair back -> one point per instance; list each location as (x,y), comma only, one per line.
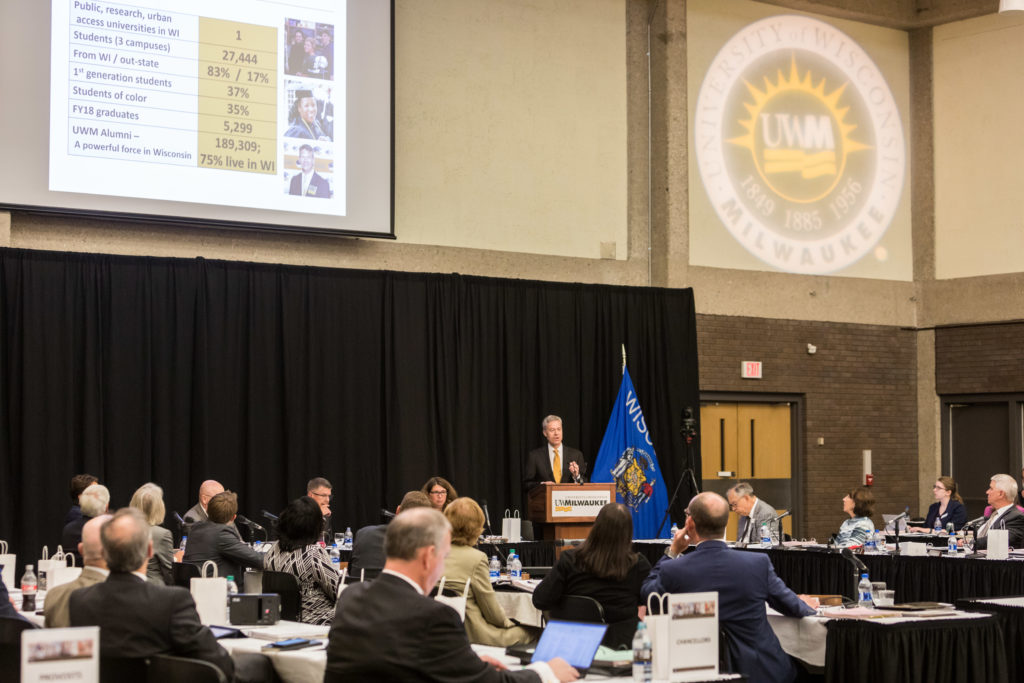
(579,608)
(452,598)
(116,669)
(171,669)
(183,573)
(727,652)
(287,586)
(10,645)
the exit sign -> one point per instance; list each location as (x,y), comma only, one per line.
(750,369)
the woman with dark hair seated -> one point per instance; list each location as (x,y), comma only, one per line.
(605,568)
(859,504)
(440,493)
(298,553)
(486,622)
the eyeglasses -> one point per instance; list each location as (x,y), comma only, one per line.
(438,493)
(322,496)
(732,506)
(939,488)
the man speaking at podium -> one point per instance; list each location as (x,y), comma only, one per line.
(554,462)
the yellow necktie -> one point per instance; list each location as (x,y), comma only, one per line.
(557,467)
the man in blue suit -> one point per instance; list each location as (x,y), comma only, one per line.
(745,581)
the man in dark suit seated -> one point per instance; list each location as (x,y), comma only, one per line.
(1002,491)
(554,462)
(138,618)
(94,501)
(218,540)
(745,581)
(368,547)
(389,630)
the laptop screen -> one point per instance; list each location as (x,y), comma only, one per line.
(573,641)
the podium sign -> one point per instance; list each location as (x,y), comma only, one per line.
(578,502)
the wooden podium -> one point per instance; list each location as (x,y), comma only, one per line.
(566,511)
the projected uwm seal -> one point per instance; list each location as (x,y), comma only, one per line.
(799,145)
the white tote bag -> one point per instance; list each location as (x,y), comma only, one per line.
(657,629)
(512,526)
(45,562)
(211,595)
(456,603)
(60,572)
(9,561)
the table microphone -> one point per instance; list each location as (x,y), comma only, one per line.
(487,517)
(854,560)
(177,517)
(248,522)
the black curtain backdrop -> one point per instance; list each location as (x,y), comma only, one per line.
(262,376)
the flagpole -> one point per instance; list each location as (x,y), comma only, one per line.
(623,359)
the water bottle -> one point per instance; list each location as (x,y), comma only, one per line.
(871,543)
(232,590)
(642,665)
(864,591)
(29,586)
(951,541)
(336,558)
(494,569)
(515,569)
(766,536)
(937,530)
(508,560)
(348,537)
(181,547)
(675,530)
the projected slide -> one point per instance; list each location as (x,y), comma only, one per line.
(211,102)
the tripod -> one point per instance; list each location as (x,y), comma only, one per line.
(688,430)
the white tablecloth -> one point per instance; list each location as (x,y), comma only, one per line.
(518,605)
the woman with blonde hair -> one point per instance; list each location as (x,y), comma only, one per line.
(486,623)
(149,499)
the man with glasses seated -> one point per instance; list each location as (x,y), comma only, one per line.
(753,513)
(319,489)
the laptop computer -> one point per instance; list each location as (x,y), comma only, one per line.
(575,642)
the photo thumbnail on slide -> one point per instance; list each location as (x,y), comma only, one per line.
(312,169)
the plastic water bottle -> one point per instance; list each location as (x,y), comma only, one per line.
(336,557)
(642,665)
(864,591)
(29,587)
(181,546)
(515,570)
(232,589)
(675,530)
(508,560)
(871,543)
(494,569)
(348,537)
(766,536)
(938,526)
(951,541)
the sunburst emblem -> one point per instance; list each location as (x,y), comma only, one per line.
(797,134)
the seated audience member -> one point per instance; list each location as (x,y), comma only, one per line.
(7,608)
(320,490)
(138,618)
(94,570)
(297,552)
(948,507)
(149,498)
(744,581)
(1002,491)
(389,630)
(368,546)
(197,513)
(94,501)
(79,483)
(859,504)
(486,622)
(440,493)
(216,540)
(753,513)
(605,568)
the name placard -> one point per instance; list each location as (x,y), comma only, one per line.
(61,654)
(693,636)
(569,503)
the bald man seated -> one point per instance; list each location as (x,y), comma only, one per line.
(207,490)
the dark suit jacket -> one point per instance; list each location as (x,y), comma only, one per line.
(220,543)
(71,536)
(955,513)
(6,608)
(318,187)
(140,619)
(368,551)
(1011,520)
(538,466)
(386,631)
(744,581)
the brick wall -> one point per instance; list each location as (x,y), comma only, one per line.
(979,359)
(859,392)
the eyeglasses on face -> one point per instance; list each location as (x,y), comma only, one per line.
(440,492)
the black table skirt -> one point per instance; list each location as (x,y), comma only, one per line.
(960,650)
(1011,622)
(913,578)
